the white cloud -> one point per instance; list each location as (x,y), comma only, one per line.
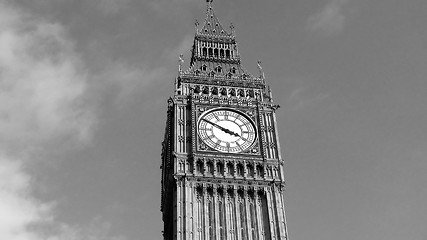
(42,84)
(330,19)
(19,209)
(43,90)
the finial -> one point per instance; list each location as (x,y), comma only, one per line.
(261,72)
(232,28)
(196,23)
(181,61)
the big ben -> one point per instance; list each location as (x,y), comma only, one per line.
(222,169)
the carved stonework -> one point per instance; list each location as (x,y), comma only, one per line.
(222,190)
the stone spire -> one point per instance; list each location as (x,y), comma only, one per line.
(212,26)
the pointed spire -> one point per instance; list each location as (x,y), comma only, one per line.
(212,26)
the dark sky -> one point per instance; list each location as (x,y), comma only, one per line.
(83,91)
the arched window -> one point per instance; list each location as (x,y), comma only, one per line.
(241,93)
(259,171)
(197,90)
(210,52)
(199,167)
(218,69)
(250,93)
(220,168)
(216,52)
(205,52)
(204,68)
(250,170)
(240,170)
(230,169)
(210,168)
(214,91)
(221,53)
(205,90)
(227,54)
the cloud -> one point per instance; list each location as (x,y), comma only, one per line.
(300,98)
(175,7)
(43,93)
(109,7)
(329,20)
(42,83)
(19,209)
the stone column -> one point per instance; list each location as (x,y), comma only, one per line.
(259,218)
(216,210)
(247,205)
(179,227)
(271,213)
(237,214)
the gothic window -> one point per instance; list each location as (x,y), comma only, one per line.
(214,91)
(240,170)
(259,171)
(233,92)
(205,52)
(230,169)
(250,170)
(219,69)
(189,166)
(223,92)
(212,74)
(219,168)
(233,70)
(241,93)
(250,93)
(227,54)
(197,72)
(205,90)
(210,168)
(210,52)
(221,53)
(216,52)
(204,68)
(199,167)
(229,75)
(197,90)
(181,167)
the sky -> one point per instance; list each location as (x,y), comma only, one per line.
(83,91)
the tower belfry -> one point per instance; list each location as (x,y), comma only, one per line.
(222,170)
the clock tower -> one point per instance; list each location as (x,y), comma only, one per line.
(222,170)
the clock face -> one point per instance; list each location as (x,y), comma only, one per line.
(226,130)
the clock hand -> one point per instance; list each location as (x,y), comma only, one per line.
(222,128)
